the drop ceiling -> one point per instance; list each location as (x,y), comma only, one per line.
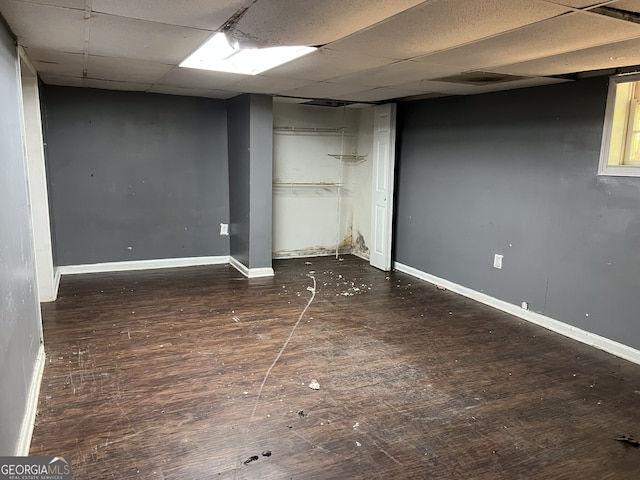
(369,50)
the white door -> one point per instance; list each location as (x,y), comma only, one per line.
(384,147)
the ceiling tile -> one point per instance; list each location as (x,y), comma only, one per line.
(54,79)
(383,48)
(399,72)
(574,31)
(111,85)
(77,4)
(290,100)
(310,22)
(525,83)
(121,37)
(430,27)
(199,79)
(628,5)
(220,94)
(192,92)
(205,14)
(578,3)
(358,105)
(431,86)
(325,64)
(45,27)
(267,85)
(376,95)
(321,90)
(463,90)
(125,70)
(425,96)
(56,63)
(613,55)
(477,90)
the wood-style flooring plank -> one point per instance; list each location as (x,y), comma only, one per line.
(155,375)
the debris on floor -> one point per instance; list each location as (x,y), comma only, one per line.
(314,385)
(628,441)
(284,346)
(302,413)
(358,444)
(253,458)
(266,453)
(441,287)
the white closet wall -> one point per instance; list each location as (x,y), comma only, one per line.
(320,202)
(360,176)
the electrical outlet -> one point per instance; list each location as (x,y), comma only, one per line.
(224,229)
(497,261)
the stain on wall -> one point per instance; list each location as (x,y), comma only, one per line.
(319,199)
(360,247)
(343,247)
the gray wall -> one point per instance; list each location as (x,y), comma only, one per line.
(250,122)
(45,129)
(515,173)
(135,176)
(20,323)
(238,117)
(261,182)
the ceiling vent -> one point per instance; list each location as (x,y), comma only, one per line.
(479,78)
(631,15)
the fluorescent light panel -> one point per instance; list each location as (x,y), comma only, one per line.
(219,55)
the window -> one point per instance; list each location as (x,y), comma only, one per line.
(620,153)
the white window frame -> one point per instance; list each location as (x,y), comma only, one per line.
(634,107)
(604,168)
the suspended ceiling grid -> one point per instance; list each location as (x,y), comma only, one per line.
(370,50)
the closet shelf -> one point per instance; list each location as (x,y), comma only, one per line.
(312,130)
(348,158)
(307,184)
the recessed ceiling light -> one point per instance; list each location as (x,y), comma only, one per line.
(220,55)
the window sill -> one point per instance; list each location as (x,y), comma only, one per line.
(620,171)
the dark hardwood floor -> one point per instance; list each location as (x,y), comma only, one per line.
(155,374)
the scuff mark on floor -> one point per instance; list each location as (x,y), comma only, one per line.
(284,346)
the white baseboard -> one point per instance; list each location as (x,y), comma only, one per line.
(592,339)
(251,272)
(55,286)
(26,429)
(142,265)
(308,253)
(56,282)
